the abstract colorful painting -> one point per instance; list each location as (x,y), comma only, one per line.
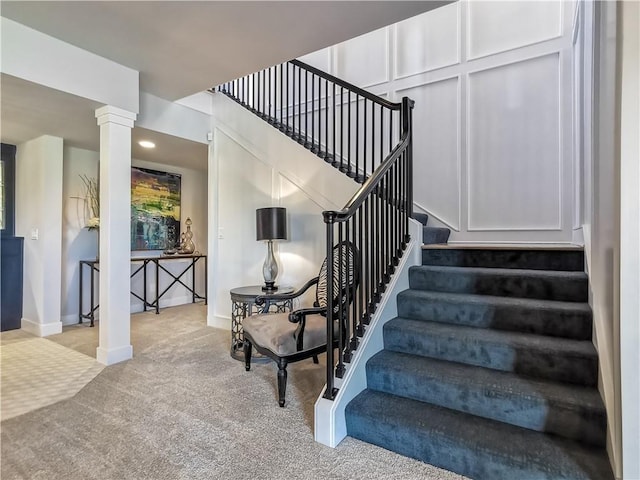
(155,209)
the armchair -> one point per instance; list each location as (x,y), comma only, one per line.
(302,334)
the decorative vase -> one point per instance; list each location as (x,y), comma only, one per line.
(188,246)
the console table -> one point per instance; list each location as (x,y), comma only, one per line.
(243,304)
(153,302)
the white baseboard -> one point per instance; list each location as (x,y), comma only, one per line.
(41,329)
(114,355)
(219,322)
(71,319)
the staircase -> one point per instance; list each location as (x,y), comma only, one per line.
(431,235)
(489,369)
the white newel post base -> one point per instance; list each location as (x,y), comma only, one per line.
(115,227)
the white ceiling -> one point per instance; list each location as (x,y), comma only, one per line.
(179,48)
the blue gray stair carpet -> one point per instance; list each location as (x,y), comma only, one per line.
(431,235)
(489,370)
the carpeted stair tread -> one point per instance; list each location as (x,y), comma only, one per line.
(570,411)
(538,356)
(543,317)
(542,284)
(423,218)
(533,259)
(435,235)
(473,446)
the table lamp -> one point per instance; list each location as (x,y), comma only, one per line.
(271,224)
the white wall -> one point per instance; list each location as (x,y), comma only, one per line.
(252,165)
(81,244)
(493,118)
(39,170)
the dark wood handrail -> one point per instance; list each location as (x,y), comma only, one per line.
(357,90)
(374,180)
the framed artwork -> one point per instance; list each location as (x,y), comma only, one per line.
(155,209)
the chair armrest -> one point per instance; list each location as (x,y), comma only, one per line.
(299,317)
(277,297)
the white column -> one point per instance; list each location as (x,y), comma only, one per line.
(629,85)
(115,237)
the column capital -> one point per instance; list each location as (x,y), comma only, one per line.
(111,114)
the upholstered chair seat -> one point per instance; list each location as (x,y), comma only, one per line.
(276,333)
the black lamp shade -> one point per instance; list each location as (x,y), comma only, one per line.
(271,223)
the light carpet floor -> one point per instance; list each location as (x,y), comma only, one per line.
(35,372)
(182,408)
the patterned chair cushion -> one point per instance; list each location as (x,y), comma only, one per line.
(275,332)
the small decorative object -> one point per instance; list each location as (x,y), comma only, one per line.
(271,224)
(92,199)
(170,244)
(187,246)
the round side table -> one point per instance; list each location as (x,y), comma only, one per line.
(243,304)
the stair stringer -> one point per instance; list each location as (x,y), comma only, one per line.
(330,423)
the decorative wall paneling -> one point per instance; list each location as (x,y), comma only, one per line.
(494,143)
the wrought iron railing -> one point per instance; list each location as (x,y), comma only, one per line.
(376,220)
(369,139)
(348,127)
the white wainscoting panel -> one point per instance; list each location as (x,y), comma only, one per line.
(514,161)
(435,146)
(428,41)
(497,26)
(364,60)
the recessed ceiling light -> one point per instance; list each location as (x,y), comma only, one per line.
(146,144)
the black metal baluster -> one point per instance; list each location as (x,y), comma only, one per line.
(373,137)
(313,113)
(306,109)
(263,110)
(342,129)
(376,249)
(365,172)
(340,367)
(394,246)
(361,293)
(408,105)
(326,119)
(384,274)
(281,97)
(288,95)
(329,219)
(357,166)
(274,96)
(299,105)
(349,157)
(365,256)
(347,302)
(333,104)
(253,92)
